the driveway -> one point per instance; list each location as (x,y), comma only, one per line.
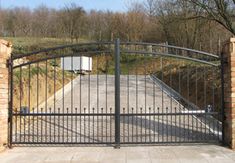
(95,94)
(140,154)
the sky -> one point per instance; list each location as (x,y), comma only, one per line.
(113,5)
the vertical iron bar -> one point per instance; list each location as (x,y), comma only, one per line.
(154,103)
(124,135)
(29,102)
(76,125)
(46,100)
(128,92)
(93,126)
(110,127)
(167,123)
(128,125)
(162,79)
(54,78)
(50,124)
(205,101)
(176,125)
(20,98)
(141,124)
(84,129)
(63,99)
(145,101)
(158,125)
(58,125)
(106,95)
(196,100)
(67,124)
(154,126)
(117,93)
(213,100)
(72,93)
(222,97)
(171,103)
(41,125)
(102,125)
(97,93)
(136,81)
(36,126)
(37,101)
(80,99)
(132,124)
(89,99)
(11,101)
(188,90)
(150,124)
(180,128)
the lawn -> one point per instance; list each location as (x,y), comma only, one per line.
(29,44)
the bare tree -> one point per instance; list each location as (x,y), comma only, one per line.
(119,26)
(10,23)
(41,21)
(150,7)
(220,11)
(2,15)
(179,22)
(72,20)
(23,21)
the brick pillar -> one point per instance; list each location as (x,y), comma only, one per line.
(5,51)
(229,92)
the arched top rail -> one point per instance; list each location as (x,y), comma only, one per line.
(88,53)
(172,47)
(125,47)
(173,56)
(17,56)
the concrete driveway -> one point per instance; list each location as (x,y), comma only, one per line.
(161,127)
(95,94)
(140,154)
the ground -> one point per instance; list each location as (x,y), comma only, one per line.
(139,154)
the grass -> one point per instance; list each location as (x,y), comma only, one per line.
(29,44)
(33,80)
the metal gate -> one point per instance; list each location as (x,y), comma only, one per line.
(115,93)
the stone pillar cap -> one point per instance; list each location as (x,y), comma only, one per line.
(7,43)
(232,39)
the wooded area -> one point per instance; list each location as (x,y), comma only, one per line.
(193,24)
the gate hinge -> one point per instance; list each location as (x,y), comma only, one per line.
(9,63)
(9,111)
(224,61)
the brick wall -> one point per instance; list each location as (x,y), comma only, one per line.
(229,94)
(5,51)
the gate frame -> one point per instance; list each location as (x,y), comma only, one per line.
(117,52)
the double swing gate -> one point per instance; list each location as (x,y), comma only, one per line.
(115,93)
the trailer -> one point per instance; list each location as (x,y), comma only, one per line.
(79,64)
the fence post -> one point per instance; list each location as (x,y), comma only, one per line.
(222,60)
(5,51)
(229,93)
(117,93)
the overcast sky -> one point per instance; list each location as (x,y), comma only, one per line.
(113,5)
